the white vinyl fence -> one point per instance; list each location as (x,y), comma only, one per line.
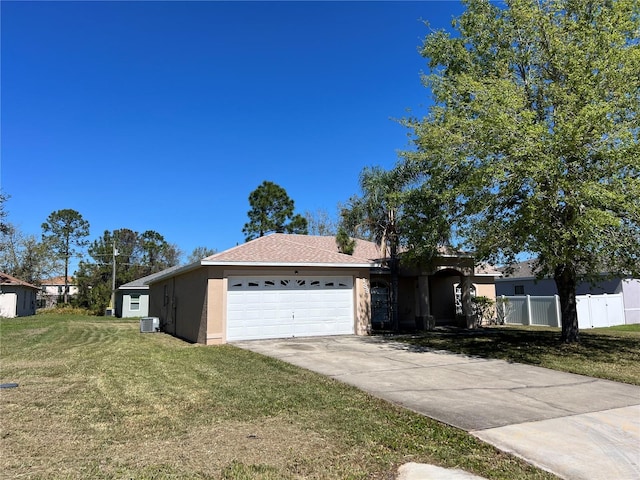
(593,310)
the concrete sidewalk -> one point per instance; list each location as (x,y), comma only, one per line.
(574,426)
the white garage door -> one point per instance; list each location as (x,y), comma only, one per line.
(280,307)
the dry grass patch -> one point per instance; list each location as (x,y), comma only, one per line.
(97,399)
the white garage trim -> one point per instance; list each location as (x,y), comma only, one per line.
(288,306)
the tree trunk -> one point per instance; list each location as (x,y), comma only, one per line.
(394,264)
(66,281)
(565,278)
(395,320)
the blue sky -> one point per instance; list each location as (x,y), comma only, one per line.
(165,115)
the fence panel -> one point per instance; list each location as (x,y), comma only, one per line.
(593,310)
(528,310)
(515,309)
(543,311)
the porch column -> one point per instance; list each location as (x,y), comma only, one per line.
(467,308)
(424,319)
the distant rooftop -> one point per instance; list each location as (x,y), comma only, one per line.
(6,279)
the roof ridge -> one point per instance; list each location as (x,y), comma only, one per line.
(288,239)
(240,245)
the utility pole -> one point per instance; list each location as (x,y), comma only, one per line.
(112,305)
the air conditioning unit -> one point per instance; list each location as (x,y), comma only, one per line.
(149,324)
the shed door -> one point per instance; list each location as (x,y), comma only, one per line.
(280,307)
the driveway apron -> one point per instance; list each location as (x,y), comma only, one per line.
(574,426)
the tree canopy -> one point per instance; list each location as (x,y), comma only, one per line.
(531,144)
(272,211)
(26,258)
(199,253)
(320,222)
(376,215)
(65,233)
(4,226)
(22,255)
(137,255)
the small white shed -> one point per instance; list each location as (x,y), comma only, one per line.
(17,298)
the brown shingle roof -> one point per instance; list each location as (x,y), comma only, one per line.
(57,280)
(297,249)
(6,279)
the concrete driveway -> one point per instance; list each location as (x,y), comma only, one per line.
(574,426)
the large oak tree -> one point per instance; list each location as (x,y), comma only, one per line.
(532,139)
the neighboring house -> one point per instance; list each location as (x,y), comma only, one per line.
(283,285)
(132,299)
(521,280)
(17,298)
(52,291)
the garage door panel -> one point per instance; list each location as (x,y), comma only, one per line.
(280,307)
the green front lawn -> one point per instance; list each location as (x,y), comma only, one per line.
(611,353)
(97,399)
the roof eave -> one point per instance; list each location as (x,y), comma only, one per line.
(178,271)
(286,264)
(133,287)
(505,279)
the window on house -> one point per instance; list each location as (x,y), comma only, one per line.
(134,303)
(518,289)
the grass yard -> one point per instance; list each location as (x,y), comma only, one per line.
(611,353)
(97,399)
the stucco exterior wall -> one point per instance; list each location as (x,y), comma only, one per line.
(407,302)
(485,287)
(156,302)
(362,302)
(216,307)
(181,304)
(193,305)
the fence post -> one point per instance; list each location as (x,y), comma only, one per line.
(558,311)
(528,310)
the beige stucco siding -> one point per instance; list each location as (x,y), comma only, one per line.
(156,301)
(181,304)
(216,306)
(362,302)
(191,305)
(485,287)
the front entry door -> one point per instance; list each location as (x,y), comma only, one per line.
(380,306)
